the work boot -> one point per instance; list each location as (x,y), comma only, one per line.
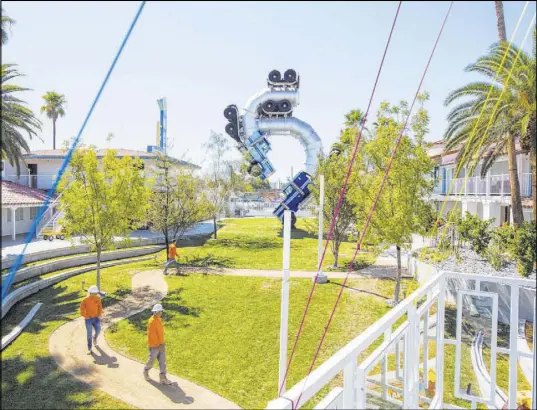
(146,375)
(164,379)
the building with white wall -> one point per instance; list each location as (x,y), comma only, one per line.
(488,197)
(23,194)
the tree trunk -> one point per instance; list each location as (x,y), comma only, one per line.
(167,244)
(53,134)
(398,280)
(99,268)
(500,20)
(533,162)
(214,226)
(516,200)
(336,257)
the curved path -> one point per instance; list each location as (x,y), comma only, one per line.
(118,375)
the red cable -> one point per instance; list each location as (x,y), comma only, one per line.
(375,202)
(341,195)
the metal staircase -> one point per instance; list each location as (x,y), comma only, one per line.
(51,218)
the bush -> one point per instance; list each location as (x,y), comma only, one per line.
(525,248)
(475,232)
(496,251)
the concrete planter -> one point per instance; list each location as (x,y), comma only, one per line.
(42,269)
(27,290)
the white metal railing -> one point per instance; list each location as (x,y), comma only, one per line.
(418,327)
(491,185)
(242,208)
(51,215)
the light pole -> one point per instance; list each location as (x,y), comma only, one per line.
(284,312)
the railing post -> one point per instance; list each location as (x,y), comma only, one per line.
(384,365)
(350,387)
(426,343)
(411,372)
(284,314)
(513,356)
(440,312)
(487,184)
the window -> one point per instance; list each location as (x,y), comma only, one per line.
(19,214)
(33,212)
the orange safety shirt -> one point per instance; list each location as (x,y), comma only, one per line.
(172,252)
(155,332)
(91,307)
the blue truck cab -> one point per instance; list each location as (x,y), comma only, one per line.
(295,193)
(258,147)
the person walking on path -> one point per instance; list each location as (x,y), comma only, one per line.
(172,254)
(155,342)
(91,308)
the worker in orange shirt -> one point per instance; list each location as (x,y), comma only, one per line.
(172,254)
(91,308)
(155,342)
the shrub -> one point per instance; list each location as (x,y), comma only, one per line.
(475,232)
(525,248)
(496,251)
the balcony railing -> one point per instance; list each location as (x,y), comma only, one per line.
(493,185)
(403,335)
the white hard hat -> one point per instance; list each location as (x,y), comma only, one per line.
(93,289)
(157,308)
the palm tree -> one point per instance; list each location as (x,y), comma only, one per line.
(7,22)
(501,20)
(15,119)
(509,122)
(54,108)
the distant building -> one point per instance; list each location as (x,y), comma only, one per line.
(488,197)
(23,194)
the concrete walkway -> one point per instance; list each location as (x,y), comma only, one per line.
(373,272)
(122,377)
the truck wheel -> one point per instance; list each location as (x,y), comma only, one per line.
(51,238)
(45,237)
(62,237)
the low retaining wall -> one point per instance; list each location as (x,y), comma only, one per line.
(74,250)
(44,268)
(422,271)
(27,290)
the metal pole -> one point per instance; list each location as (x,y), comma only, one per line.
(284,312)
(321,208)
(321,277)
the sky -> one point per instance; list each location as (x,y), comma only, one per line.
(203,56)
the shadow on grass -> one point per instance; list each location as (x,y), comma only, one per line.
(40,384)
(174,311)
(361,290)
(56,306)
(199,263)
(245,242)
(298,233)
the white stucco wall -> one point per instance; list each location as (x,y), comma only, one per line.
(20,226)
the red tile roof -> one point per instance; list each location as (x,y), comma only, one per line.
(17,194)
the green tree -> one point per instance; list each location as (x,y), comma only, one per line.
(16,119)
(217,180)
(54,107)
(177,202)
(403,207)
(510,121)
(101,202)
(7,23)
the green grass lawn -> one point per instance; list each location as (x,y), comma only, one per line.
(30,377)
(222,332)
(257,243)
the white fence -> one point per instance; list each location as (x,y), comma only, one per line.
(416,326)
(265,209)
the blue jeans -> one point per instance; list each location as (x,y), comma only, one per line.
(92,322)
(171,261)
